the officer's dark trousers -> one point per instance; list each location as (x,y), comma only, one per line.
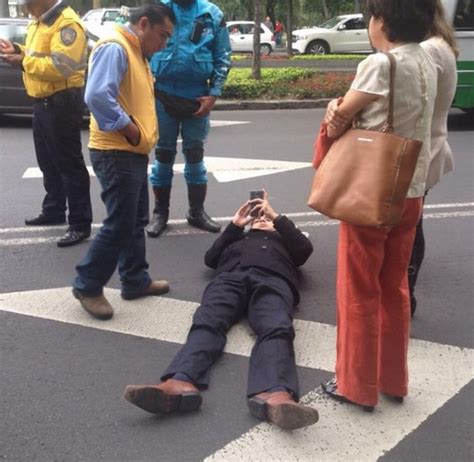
(268,302)
(57,136)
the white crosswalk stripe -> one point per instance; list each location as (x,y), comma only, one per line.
(177,229)
(224,169)
(437,373)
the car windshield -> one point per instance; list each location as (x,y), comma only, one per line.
(110,15)
(93,16)
(4,31)
(331,23)
(13,32)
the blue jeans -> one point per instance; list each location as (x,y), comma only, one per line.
(194,131)
(121,239)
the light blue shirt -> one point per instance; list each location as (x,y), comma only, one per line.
(109,63)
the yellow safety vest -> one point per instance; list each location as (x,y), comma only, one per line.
(136,97)
(55,53)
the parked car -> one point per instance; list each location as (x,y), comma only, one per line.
(13,97)
(341,34)
(101,21)
(241,37)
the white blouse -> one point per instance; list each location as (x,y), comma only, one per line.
(441,159)
(415,91)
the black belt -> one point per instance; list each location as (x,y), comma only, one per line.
(47,99)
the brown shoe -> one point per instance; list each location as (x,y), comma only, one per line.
(99,306)
(167,397)
(281,409)
(155,288)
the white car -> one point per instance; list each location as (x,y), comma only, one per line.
(341,34)
(101,21)
(241,37)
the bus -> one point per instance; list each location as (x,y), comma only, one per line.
(461,15)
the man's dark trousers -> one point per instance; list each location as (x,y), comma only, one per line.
(57,137)
(268,302)
(121,239)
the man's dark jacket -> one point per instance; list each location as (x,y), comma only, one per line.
(280,252)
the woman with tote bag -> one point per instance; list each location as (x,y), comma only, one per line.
(373,305)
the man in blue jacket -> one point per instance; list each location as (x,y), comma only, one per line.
(190,73)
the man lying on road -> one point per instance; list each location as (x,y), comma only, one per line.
(255,276)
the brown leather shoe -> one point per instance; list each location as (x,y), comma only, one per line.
(167,397)
(99,306)
(155,288)
(281,409)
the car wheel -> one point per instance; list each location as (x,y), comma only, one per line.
(265,49)
(317,47)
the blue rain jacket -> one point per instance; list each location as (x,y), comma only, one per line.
(190,69)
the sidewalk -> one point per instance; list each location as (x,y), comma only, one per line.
(253,105)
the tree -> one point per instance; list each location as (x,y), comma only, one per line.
(364,11)
(256,61)
(325,9)
(289,29)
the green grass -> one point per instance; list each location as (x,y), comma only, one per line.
(248,56)
(326,57)
(283,74)
(241,57)
(289,82)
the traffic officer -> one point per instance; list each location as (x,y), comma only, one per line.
(257,278)
(54,61)
(190,73)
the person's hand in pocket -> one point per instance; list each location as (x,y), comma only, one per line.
(131,134)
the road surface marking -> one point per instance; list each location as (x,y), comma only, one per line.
(437,373)
(35,229)
(224,169)
(188,230)
(228,123)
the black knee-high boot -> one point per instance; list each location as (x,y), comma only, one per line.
(159,220)
(197,217)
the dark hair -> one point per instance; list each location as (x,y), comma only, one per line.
(155,12)
(404,20)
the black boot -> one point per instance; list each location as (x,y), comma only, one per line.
(197,217)
(159,220)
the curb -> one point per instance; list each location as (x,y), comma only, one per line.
(257,105)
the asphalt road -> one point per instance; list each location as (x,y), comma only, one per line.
(62,374)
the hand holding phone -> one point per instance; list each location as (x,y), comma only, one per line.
(260,194)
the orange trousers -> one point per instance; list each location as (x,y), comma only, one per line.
(373,307)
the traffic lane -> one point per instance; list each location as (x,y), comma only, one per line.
(62,392)
(443,315)
(272,135)
(444,289)
(21,198)
(445,435)
(17,154)
(266,137)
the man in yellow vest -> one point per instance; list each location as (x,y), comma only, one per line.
(54,61)
(123,131)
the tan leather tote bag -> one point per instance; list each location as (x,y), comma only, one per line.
(365,176)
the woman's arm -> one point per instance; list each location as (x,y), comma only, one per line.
(340,114)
